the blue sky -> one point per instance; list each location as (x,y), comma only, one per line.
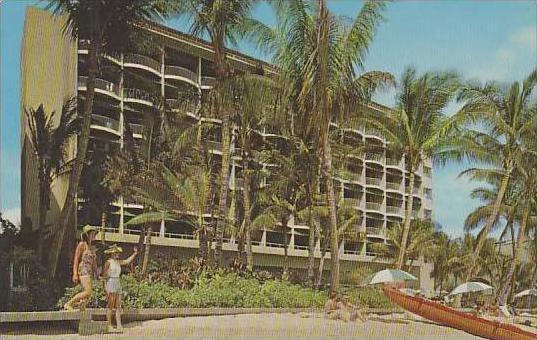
(485,40)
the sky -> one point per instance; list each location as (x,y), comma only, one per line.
(483,40)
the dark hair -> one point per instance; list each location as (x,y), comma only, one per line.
(85,237)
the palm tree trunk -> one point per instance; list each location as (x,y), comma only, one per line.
(320,269)
(311,243)
(334,256)
(44,188)
(490,222)
(285,275)
(202,238)
(146,251)
(224,187)
(408,217)
(247,207)
(82,146)
(518,252)
(104,218)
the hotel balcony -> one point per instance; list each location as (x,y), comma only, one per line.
(134,95)
(142,62)
(393,186)
(181,73)
(373,206)
(393,210)
(104,123)
(101,86)
(373,181)
(208,82)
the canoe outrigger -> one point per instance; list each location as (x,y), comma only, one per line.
(450,317)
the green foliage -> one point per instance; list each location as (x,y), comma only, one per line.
(211,289)
(368,297)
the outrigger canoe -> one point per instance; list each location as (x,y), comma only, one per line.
(453,318)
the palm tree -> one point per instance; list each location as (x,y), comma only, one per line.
(223,22)
(421,242)
(527,182)
(506,115)
(177,196)
(445,259)
(50,136)
(110,27)
(319,56)
(418,128)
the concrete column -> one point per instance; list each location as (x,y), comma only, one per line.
(162,228)
(162,72)
(292,239)
(264,237)
(341,249)
(121,105)
(317,246)
(121,214)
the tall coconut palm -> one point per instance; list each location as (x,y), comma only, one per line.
(320,56)
(110,27)
(527,180)
(222,22)
(418,128)
(49,136)
(506,114)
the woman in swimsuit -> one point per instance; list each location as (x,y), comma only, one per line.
(84,267)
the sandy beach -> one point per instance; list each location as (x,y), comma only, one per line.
(274,326)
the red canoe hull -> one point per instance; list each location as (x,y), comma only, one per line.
(450,317)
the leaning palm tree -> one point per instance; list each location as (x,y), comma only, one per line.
(506,114)
(222,22)
(418,128)
(110,27)
(49,136)
(527,181)
(319,56)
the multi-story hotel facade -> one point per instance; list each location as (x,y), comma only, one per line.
(53,69)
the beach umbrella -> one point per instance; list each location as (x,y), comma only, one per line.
(526,293)
(388,275)
(470,287)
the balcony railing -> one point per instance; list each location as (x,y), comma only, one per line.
(139,94)
(213,145)
(104,121)
(374,156)
(274,245)
(181,72)
(142,60)
(300,247)
(393,210)
(373,181)
(393,186)
(393,161)
(136,129)
(374,231)
(373,206)
(351,252)
(208,81)
(100,84)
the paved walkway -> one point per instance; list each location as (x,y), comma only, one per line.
(275,326)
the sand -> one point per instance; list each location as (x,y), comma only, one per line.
(263,326)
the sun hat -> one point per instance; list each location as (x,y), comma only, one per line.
(113,249)
(87,229)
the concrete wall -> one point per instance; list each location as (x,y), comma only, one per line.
(48,77)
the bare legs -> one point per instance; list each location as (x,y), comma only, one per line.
(83,296)
(114,304)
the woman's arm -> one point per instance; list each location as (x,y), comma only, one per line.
(76,261)
(128,260)
(106,266)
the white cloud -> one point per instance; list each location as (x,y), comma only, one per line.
(508,62)
(526,37)
(13,215)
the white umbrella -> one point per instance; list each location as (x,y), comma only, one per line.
(470,287)
(388,275)
(526,292)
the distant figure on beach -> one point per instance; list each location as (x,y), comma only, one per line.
(340,308)
(84,268)
(111,274)
(331,306)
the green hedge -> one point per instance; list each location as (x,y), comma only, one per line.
(220,290)
(225,290)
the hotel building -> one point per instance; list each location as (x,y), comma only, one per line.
(53,69)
